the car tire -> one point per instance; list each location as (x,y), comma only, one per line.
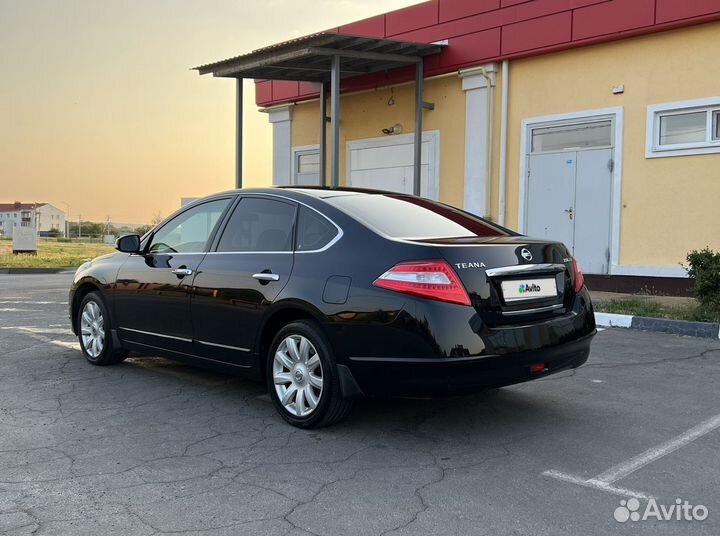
(94,333)
(302,377)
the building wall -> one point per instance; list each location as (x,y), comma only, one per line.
(365,114)
(669,205)
(50,217)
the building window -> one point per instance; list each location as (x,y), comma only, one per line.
(683,128)
(306,166)
(571,136)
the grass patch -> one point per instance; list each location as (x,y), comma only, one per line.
(654,309)
(52,254)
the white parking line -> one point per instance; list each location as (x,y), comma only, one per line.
(35,333)
(28,302)
(595,484)
(625,468)
(605,480)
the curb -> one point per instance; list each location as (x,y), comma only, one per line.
(66,269)
(706,330)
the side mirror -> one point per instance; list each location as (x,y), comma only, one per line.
(128,243)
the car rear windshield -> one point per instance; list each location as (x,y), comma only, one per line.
(413,218)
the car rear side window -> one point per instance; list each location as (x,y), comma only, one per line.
(414,218)
(314,231)
(257,225)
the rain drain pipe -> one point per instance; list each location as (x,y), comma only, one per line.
(503,141)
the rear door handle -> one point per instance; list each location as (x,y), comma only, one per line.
(182,271)
(264,276)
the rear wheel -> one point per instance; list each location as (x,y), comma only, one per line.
(94,332)
(302,377)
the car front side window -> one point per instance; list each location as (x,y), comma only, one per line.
(190,231)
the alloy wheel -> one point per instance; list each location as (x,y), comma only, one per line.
(298,375)
(92,329)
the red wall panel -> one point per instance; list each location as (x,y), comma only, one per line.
(307,89)
(411,18)
(471,48)
(373,27)
(480,31)
(673,10)
(612,17)
(537,33)
(452,9)
(284,89)
(263,92)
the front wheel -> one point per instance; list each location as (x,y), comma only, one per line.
(302,377)
(94,332)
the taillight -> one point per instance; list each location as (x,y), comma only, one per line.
(435,280)
(579,277)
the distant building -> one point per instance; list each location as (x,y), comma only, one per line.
(44,216)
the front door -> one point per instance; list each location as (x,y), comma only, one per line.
(569,192)
(152,300)
(241,278)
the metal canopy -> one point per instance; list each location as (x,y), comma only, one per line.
(327,58)
(308,58)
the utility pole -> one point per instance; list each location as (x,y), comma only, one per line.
(79,226)
(67,220)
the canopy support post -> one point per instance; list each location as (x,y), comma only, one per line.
(323,134)
(335,121)
(238,133)
(419,106)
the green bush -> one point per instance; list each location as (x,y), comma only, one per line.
(704,269)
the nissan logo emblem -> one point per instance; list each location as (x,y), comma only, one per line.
(526,254)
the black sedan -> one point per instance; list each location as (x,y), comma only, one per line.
(332,294)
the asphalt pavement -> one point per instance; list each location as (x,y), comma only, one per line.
(155,447)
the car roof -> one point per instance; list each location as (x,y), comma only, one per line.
(319,192)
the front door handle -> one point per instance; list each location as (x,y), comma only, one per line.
(266,276)
(182,272)
(570,212)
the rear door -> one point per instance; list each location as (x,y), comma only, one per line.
(250,264)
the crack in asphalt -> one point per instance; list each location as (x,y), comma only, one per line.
(139,451)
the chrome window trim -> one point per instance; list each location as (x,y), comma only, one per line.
(327,246)
(524,268)
(227,347)
(156,334)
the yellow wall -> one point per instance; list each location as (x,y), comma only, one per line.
(365,114)
(670,205)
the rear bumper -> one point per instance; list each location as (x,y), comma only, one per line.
(463,375)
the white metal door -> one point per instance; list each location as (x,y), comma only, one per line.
(593,194)
(569,197)
(387,164)
(551,196)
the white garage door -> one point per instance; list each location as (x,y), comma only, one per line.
(387,163)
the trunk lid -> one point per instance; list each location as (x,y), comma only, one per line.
(510,278)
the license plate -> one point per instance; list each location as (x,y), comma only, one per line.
(528,289)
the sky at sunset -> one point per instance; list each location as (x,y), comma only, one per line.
(99,110)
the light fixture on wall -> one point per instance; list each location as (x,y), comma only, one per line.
(395,129)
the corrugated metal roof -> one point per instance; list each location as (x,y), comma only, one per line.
(15,207)
(308,58)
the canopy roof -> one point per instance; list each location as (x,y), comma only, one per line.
(308,58)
